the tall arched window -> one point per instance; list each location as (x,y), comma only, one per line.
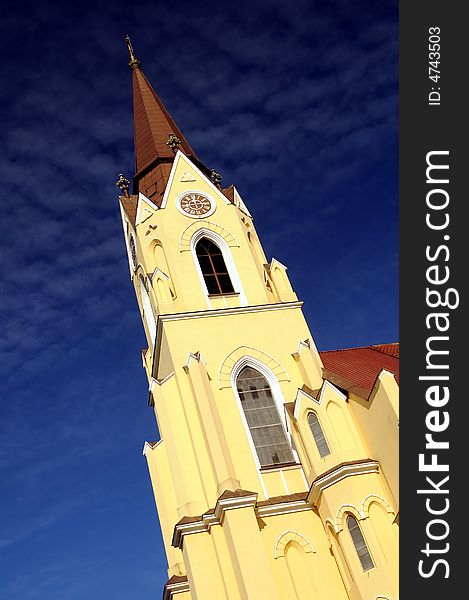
(147,311)
(318,435)
(213,267)
(359,543)
(263,418)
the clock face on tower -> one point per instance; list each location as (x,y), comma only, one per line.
(196,204)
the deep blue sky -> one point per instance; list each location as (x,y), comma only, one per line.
(293,101)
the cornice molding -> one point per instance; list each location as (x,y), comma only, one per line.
(189,526)
(236,310)
(340,472)
(210,518)
(282,508)
(264,509)
(172,588)
(182,529)
(224,504)
(218,312)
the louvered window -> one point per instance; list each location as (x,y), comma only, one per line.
(359,543)
(318,435)
(147,311)
(263,419)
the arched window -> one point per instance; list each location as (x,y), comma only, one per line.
(359,543)
(318,435)
(147,311)
(213,267)
(263,418)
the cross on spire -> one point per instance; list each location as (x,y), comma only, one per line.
(134,62)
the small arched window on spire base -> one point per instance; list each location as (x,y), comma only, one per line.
(147,311)
(263,419)
(213,267)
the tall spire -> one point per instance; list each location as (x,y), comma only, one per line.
(156,136)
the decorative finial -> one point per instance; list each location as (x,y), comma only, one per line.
(215,177)
(134,62)
(173,142)
(123,184)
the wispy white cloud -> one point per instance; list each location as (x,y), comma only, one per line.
(294,102)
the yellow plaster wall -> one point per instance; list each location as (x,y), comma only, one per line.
(167,225)
(342,436)
(165,499)
(324,581)
(277,331)
(383,441)
(205,447)
(203,569)
(355,495)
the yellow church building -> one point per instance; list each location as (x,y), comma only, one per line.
(276,473)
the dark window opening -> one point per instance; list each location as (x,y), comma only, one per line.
(359,543)
(213,267)
(318,435)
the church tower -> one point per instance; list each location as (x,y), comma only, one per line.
(273,476)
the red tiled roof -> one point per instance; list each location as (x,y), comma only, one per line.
(361,366)
(229,193)
(391,349)
(129,204)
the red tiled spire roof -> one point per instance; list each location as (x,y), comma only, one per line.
(153,127)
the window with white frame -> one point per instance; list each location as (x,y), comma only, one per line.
(359,543)
(147,311)
(318,435)
(213,267)
(263,419)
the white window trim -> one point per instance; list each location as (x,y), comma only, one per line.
(147,309)
(309,412)
(248,361)
(357,521)
(227,257)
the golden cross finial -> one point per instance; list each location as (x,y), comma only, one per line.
(129,46)
(134,62)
